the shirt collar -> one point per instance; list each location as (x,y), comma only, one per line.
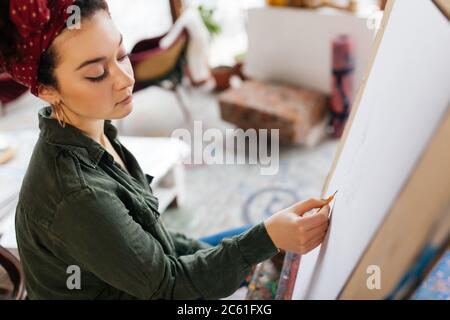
(71,138)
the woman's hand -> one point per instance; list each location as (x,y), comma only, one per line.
(290,231)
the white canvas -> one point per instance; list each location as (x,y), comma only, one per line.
(406,95)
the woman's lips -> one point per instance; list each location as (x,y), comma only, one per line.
(127,100)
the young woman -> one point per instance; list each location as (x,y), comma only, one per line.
(85,205)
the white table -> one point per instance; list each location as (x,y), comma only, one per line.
(159,157)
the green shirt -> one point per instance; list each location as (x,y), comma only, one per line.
(78,207)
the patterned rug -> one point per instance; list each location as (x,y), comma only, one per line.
(225,196)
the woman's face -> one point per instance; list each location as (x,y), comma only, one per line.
(94,74)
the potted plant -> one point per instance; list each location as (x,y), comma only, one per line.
(207,16)
(221,74)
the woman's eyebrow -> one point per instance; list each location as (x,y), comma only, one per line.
(96,60)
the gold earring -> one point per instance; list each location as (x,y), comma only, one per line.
(58,109)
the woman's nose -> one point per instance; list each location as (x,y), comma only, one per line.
(124,77)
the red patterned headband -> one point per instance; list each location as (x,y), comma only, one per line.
(38,23)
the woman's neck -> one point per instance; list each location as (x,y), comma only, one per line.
(93,128)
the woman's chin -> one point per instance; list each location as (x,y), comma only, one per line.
(122,110)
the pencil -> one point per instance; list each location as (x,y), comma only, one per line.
(330,198)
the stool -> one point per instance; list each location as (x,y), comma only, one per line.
(258,105)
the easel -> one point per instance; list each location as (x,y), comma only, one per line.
(421,202)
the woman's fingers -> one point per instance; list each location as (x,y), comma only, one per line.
(313,232)
(304,206)
(315,220)
(312,242)
(291,231)
(317,230)
(314,245)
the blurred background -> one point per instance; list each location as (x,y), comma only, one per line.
(223,65)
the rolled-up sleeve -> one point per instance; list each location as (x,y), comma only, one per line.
(96,229)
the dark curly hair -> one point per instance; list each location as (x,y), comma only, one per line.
(48,61)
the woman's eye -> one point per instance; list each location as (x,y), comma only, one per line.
(99,78)
(122,58)
(105,73)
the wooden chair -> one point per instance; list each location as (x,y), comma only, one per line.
(14,270)
(176,8)
(156,66)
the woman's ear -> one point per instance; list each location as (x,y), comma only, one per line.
(48,94)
